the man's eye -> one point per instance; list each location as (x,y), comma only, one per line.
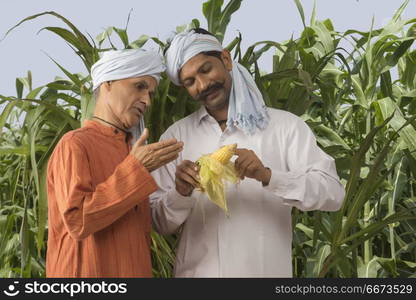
(188,83)
(206,69)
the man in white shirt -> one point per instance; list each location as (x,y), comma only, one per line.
(277,159)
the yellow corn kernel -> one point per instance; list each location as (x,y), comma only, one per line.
(224,154)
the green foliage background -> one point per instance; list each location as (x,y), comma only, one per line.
(360,114)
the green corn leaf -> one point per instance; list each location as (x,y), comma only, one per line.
(301,12)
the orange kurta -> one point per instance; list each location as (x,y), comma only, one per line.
(99,214)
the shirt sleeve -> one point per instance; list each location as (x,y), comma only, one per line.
(311,182)
(84,209)
(169,208)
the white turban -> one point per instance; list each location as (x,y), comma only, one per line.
(183,47)
(246,109)
(128,63)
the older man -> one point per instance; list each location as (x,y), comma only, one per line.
(278,161)
(99,184)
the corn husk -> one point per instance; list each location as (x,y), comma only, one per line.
(214,173)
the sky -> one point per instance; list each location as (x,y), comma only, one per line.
(25,48)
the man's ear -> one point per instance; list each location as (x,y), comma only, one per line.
(226,59)
(107,85)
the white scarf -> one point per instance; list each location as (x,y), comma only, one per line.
(128,63)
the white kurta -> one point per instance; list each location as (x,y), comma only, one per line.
(256,239)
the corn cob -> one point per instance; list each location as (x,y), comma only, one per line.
(224,154)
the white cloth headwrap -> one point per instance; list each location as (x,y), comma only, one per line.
(127,63)
(246,113)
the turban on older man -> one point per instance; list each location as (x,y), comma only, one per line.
(127,63)
(246,109)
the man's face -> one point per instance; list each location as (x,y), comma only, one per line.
(129,98)
(207,79)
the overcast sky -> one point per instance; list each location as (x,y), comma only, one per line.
(257,20)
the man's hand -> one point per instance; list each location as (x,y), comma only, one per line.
(186,177)
(155,155)
(249,165)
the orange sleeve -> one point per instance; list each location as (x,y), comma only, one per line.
(86,210)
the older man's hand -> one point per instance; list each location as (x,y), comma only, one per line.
(153,156)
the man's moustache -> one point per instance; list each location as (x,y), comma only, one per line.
(204,94)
